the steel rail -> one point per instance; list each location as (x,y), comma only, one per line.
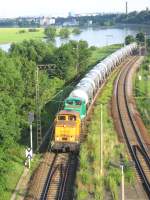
(131,147)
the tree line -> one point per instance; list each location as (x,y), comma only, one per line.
(140,38)
(135,17)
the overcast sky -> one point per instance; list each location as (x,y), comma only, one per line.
(14,8)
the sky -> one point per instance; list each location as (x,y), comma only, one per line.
(15,8)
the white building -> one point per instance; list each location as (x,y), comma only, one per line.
(46,21)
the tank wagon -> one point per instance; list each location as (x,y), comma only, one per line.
(81,97)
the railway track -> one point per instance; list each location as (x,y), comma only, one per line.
(128,127)
(60,176)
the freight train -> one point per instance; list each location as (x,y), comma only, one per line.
(68,121)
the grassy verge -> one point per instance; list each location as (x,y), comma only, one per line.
(14,173)
(16,170)
(142,91)
(90,184)
(102,52)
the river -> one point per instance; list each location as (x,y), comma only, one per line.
(101,36)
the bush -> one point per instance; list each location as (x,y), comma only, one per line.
(33,30)
(22,31)
(64,33)
(76,31)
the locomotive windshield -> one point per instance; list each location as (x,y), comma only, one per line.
(69,102)
(72,118)
(78,102)
(61,117)
(74,102)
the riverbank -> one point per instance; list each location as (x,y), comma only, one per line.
(95,36)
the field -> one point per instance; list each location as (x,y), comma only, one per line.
(8,35)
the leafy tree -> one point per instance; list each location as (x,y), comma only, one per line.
(129,39)
(50,33)
(71,58)
(65,62)
(64,33)
(37,51)
(148,43)
(140,37)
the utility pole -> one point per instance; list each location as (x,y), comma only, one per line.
(122,181)
(101,142)
(51,68)
(77,52)
(145,44)
(126,11)
(38,111)
(31,119)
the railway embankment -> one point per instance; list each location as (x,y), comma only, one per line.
(90,183)
(141,87)
(130,130)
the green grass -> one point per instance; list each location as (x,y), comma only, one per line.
(13,175)
(100,53)
(90,184)
(17,167)
(9,35)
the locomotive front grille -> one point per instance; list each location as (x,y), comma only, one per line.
(64,138)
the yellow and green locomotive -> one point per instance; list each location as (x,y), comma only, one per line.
(67,131)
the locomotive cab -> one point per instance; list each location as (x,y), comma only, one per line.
(76,104)
(67,131)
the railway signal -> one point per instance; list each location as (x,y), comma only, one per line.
(31,119)
(29,155)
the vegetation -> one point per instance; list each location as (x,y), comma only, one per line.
(129,39)
(140,38)
(17,99)
(8,35)
(142,91)
(64,33)
(50,33)
(90,184)
(76,31)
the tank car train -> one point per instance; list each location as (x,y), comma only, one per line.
(68,121)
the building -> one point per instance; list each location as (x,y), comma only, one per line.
(46,21)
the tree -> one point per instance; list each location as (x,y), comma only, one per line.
(129,39)
(37,51)
(50,33)
(140,37)
(76,31)
(64,33)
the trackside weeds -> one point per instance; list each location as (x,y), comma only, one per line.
(90,184)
